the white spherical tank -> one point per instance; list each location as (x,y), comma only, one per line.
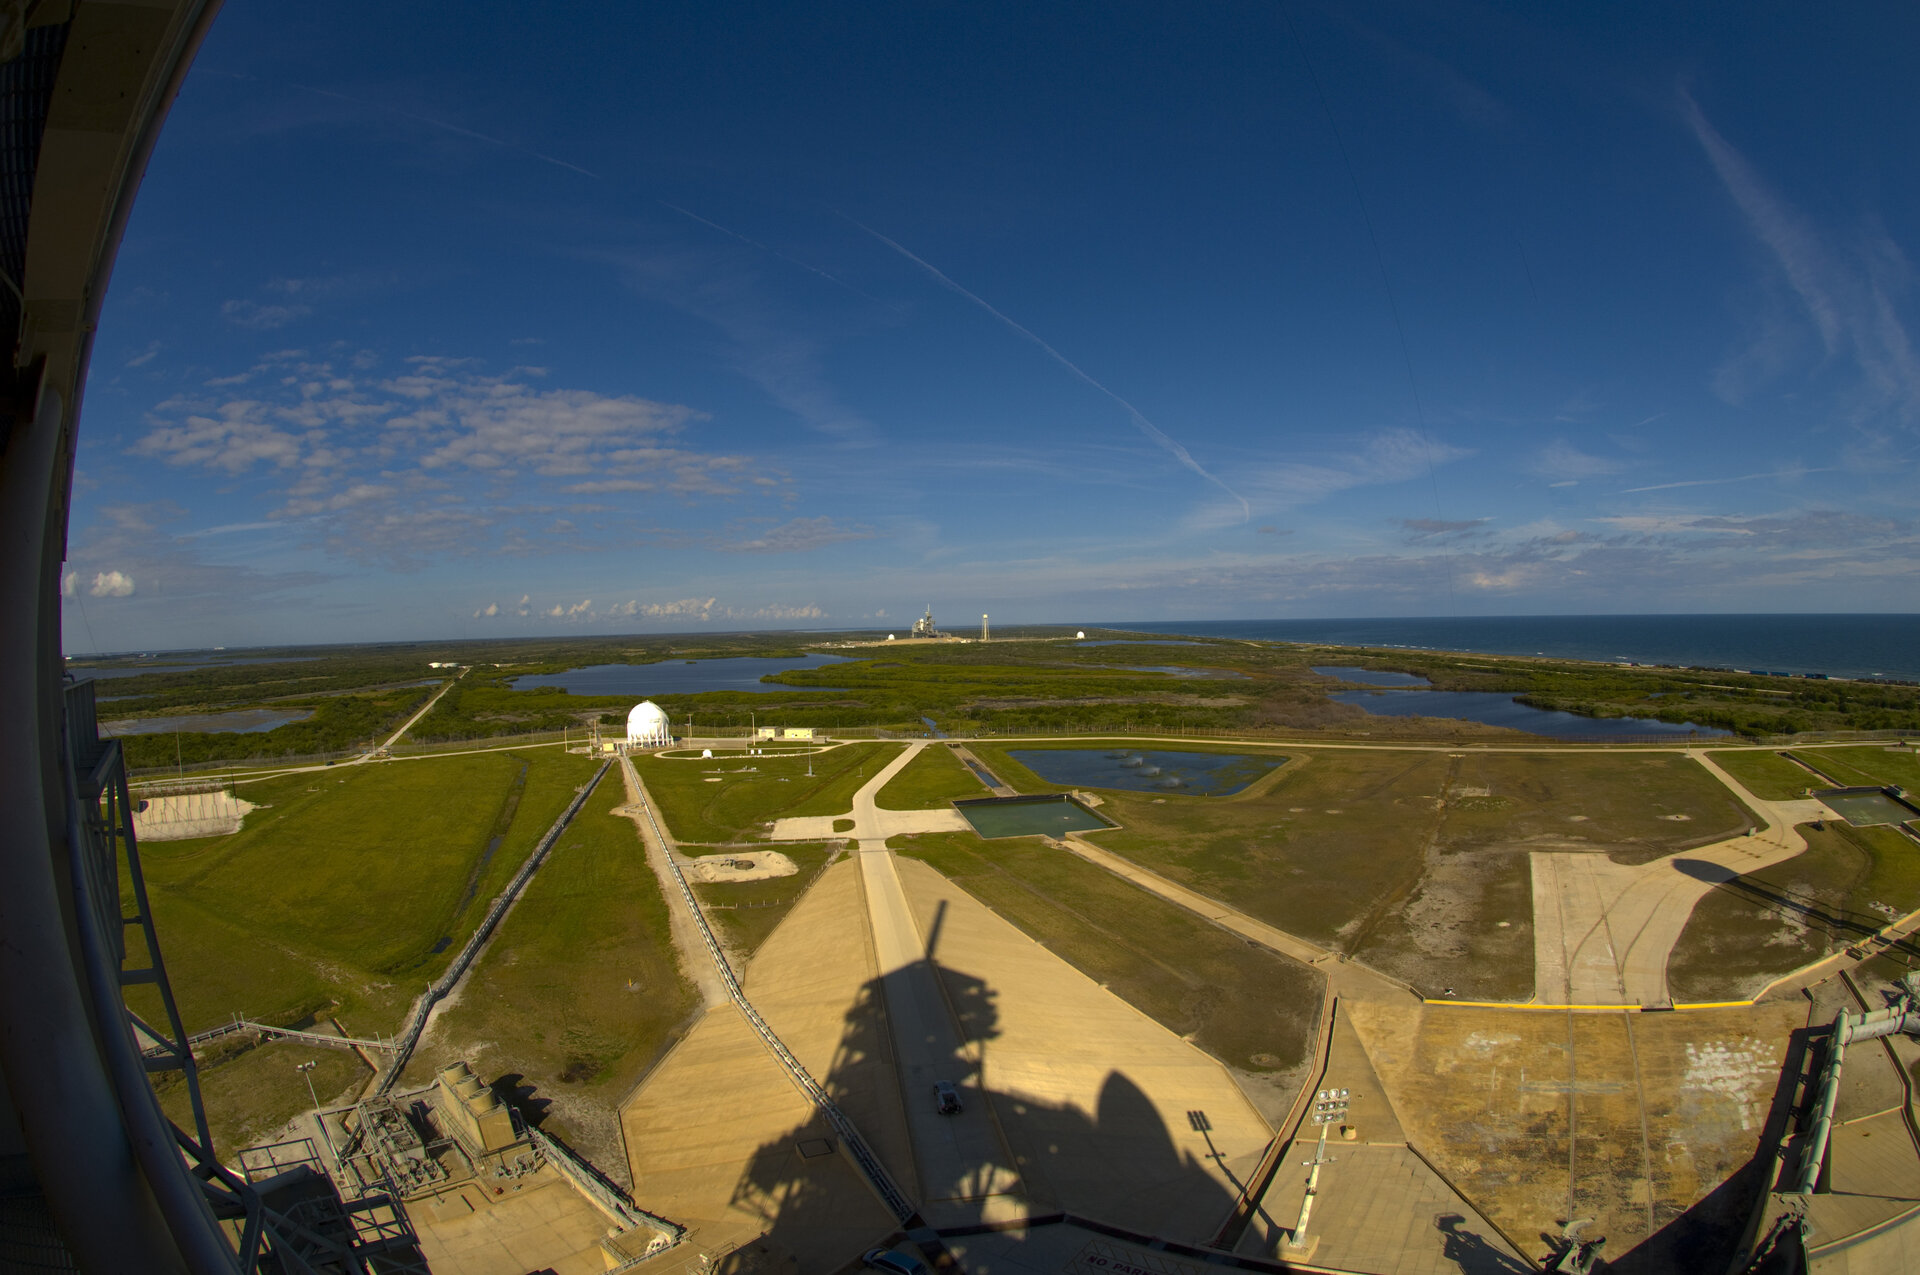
(647,726)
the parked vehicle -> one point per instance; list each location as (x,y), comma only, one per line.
(895,1262)
(946,1099)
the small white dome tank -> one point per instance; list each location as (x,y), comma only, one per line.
(647,726)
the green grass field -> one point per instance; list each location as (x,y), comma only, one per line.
(930,781)
(581,989)
(340,887)
(1874,764)
(1411,860)
(252,1091)
(750,791)
(745,912)
(1246,1006)
(1746,933)
(1767,775)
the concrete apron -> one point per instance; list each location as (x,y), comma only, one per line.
(965,1169)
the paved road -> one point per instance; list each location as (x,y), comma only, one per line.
(870,822)
(1603,931)
(409,723)
(960,1157)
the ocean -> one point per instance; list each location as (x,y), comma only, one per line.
(1857,646)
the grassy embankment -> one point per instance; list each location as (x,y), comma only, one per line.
(1416,862)
(745,912)
(1246,1006)
(1757,927)
(581,990)
(336,892)
(1767,775)
(729,797)
(1874,764)
(930,781)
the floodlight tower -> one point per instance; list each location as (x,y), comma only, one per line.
(1329,1107)
(983,627)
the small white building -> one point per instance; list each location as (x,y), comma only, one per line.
(647,726)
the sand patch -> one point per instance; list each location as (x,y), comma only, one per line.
(746,865)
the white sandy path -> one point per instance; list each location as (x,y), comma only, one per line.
(870,822)
(1602,931)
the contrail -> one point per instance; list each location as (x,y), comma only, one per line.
(451,128)
(1716,482)
(755,243)
(1144,425)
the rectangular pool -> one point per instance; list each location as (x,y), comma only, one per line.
(1043,816)
(1866,809)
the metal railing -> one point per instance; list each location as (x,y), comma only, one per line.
(596,1188)
(856,1146)
(196,1192)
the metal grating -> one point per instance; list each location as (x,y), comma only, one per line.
(26,87)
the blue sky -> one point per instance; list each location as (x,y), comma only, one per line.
(484,319)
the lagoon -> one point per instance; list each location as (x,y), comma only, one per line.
(244,721)
(1369,676)
(681,677)
(1493,708)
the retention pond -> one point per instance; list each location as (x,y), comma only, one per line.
(1044,816)
(1136,770)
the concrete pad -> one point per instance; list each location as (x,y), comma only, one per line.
(815,981)
(546,1224)
(1094,1096)
(719,1139)
(883,824)
(1379,1209)
(869,821)
(1603,931)
(1630,1119)
(1065,1249)
(1875,1157)
(188,815)
(1892,1250)
(961,1157)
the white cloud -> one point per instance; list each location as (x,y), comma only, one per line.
(797,535)
(487,612)
(68,583)
(1847,295)
(1564,464)
(1388,456)
(112,584)
(442,459)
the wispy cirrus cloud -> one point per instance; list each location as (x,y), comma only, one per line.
(1849,294)
(1792,471)
(1387,456)
(797,535)
(1561,463)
